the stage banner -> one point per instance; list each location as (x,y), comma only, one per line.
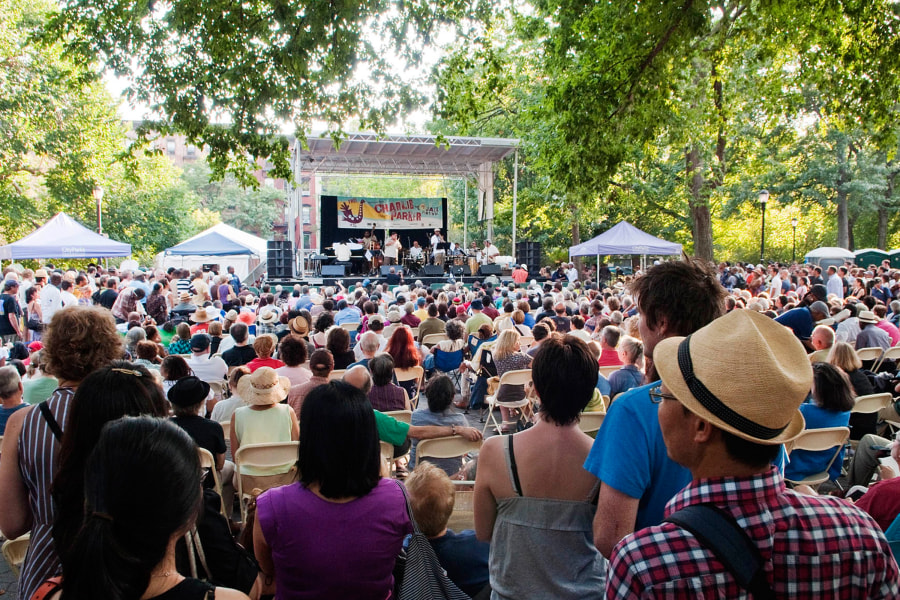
(389,213)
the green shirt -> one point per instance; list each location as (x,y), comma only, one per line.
(391,430)
(38,390)
(476,321)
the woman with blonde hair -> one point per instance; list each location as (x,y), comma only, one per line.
(844,357)
(509,357)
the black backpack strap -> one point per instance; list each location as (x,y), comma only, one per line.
(720,533)
(51,421)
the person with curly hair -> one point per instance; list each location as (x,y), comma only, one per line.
(78,341)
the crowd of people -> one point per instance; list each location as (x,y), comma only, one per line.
(111,380)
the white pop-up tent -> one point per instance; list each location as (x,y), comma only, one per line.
(63,237)
(624,239)
(220,244)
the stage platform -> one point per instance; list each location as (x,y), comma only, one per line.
(432,282)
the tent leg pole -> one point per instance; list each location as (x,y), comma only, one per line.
(515,204)
(466,215)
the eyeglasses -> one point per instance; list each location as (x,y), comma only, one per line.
(657,396)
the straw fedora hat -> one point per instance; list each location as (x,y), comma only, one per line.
(201,315)
(700,371)
(263,387)
(267,315)
(867,316)
(300,326)
(184,297)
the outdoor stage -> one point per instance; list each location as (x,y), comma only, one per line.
(433,282)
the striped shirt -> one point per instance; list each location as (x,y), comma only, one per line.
(38,463)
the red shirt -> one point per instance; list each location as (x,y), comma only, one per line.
(609,357)
(264,362)
(882,501)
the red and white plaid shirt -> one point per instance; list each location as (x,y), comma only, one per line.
(813,547)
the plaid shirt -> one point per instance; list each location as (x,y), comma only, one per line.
(813,547)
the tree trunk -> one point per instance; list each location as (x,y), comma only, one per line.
(843,205)
(850,240)
(576,236)
(883,210)
(701,220)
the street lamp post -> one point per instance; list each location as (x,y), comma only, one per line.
(763,198)
(794,223)
(98,197)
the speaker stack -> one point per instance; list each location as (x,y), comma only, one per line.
(529,254)
(490,270)
(279,260)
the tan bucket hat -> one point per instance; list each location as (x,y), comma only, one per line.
(201,315)
(701,371)
(267,315)
(263,387)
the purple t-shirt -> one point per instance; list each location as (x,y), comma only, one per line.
(329,550)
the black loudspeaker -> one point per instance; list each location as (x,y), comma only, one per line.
(386,270)
(529,254)
(460,270)
(490,270)
(334,270)
(432,270)
(279,262)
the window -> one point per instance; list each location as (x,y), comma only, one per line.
(306,239)
(170,147)
(306,214)
(192,151)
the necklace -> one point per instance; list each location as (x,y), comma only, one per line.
(164,574)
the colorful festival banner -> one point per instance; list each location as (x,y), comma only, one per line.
(389,213)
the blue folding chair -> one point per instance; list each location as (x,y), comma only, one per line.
(449,363)
(893,537)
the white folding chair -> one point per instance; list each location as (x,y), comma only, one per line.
(868,404)
(387,458)
(519,377)
(433,338)
(452,446)
(14,552)
(525,342)
(816,440)
(889,354)
(208,461)
(607,371)
(866,354)
(416,374)
(463,515)
(336,374)
(590,422)
(350,327)
(276,454)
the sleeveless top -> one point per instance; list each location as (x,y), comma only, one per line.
(387,397)
(189,589)
(263,427)
(544,547)
(38,463)
(223,293)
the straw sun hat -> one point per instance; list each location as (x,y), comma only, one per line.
(263,387)
(700,370)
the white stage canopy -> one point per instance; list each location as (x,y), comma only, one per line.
(625,239)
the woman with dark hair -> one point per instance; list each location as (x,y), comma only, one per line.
(440,392)
(386,395)
(532,493)
(157,307)
(122,389)
(141,466)
(215,337)
(339,345)
(173,368)
(323,323)
(34,320)
(337,532)
(293,352)
(829,405)
(78,341)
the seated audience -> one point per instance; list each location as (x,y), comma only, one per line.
(10,394)
(321,364)
(223,409)
(264,346)
(844,357)
(533,494)
(385,395)
(181,343)
(338,343)
(609,339)
(439,391)
(292,352)
(631,351)
(509,357)
(432,496)
(37,385)
(337,532)
(241,352)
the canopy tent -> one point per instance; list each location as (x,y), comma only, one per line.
(63,237)
(220,244)
(624,239)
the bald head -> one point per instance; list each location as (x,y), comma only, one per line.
(359,378)
(822,337)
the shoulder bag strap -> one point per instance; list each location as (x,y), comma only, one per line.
(719,532)
(51,421)
(517,485)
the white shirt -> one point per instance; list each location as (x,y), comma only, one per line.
(435,240)
(342,252)
(208,368)
(51,301)
(572,274)
(835,286)
(68,299)
(847,331)
(490,252)
(382,344)
(416,252)
(223,409)
(392,248)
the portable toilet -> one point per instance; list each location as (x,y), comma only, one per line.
(895,258)
(870,256)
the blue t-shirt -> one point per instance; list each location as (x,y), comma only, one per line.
(464,558)
(803,463)
(799,320)
(624,379)
(603,385)
(5,413)
(629,455)
(529,321)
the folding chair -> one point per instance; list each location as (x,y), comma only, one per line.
(449,363)
(208,461)
(867,354)
(525,342)
(816,440)
(607,371)
(416,374)
(14,552)
(219,389)
(387,458)
(336,374)
(518,377)
(276,454)
(452,446)
(463,515)
(433,338)
(590,422)
(350,327)
(401,415)
(474,342)
(889,354)
(415,332)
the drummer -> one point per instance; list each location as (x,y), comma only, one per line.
(438,254)
(489,253)
(415,253)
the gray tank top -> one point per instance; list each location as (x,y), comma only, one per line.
(543,547)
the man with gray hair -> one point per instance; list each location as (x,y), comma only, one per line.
(10,394)
(803,319)
(365,350)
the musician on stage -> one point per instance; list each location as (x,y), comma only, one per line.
(415,253)
(438,254)
(392,249)
(489,253)
(368,240)
(372,249)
